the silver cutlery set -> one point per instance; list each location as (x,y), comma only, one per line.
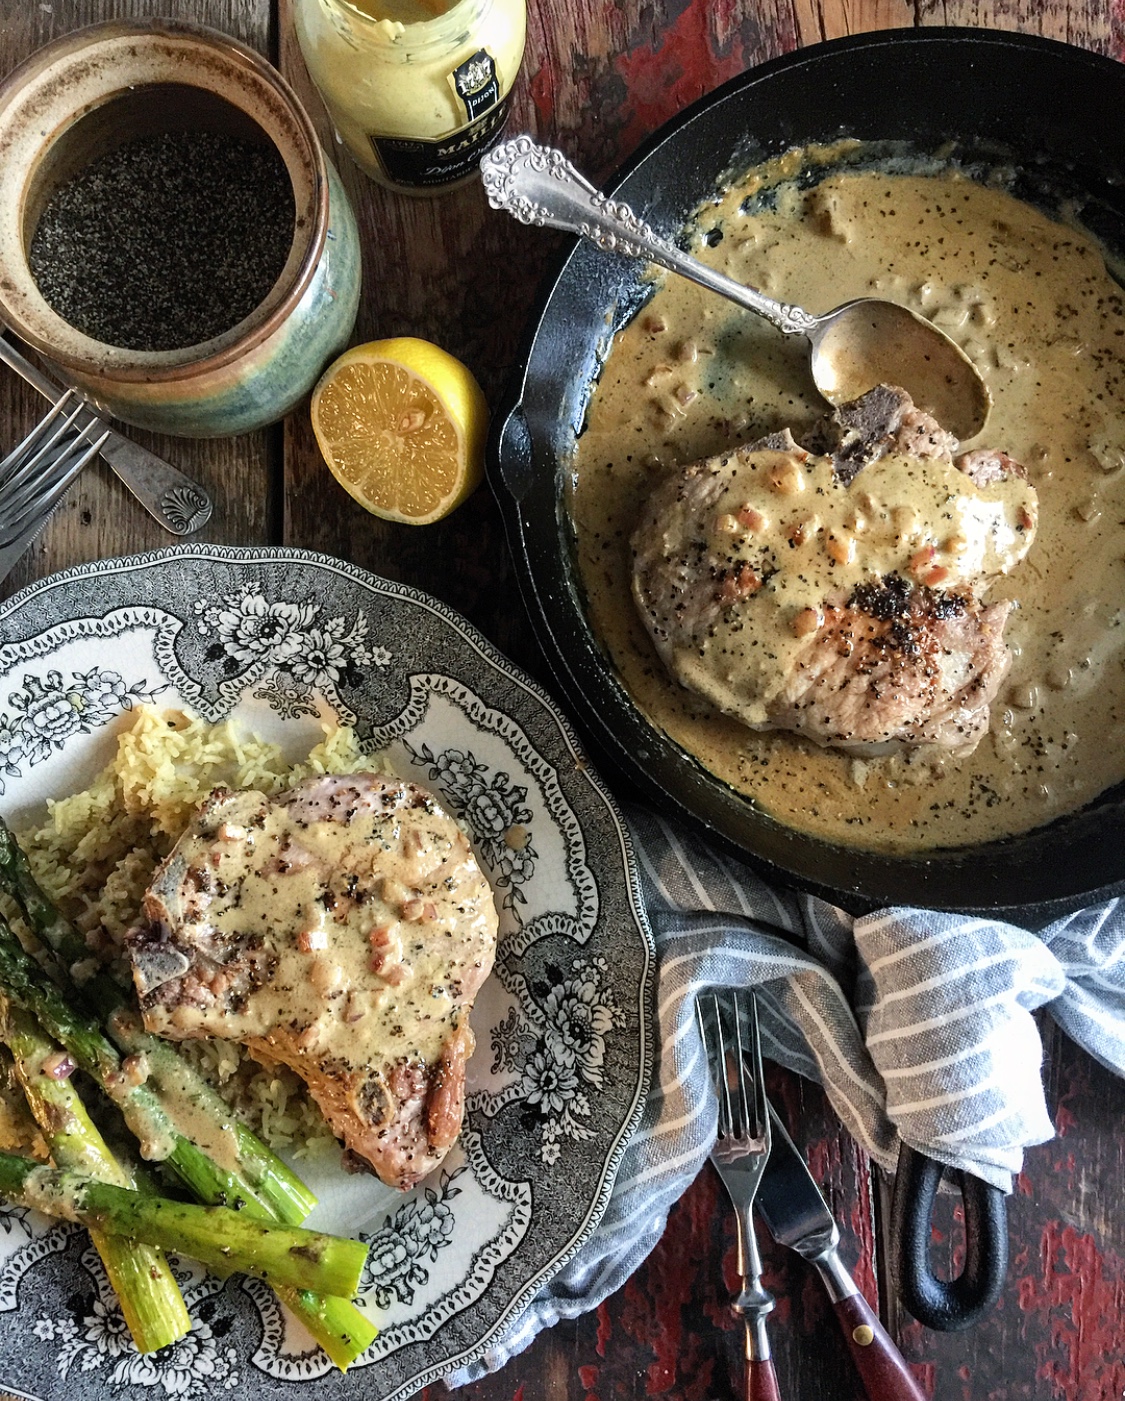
(763,1171)
(36,474)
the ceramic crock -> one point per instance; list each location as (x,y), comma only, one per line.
(89,92)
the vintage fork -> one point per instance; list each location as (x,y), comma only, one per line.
(34,476)
(728,1022)
(178,503)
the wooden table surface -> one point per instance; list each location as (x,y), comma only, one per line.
(598,77)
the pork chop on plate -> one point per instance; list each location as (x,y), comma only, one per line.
(342,928)
(837,589)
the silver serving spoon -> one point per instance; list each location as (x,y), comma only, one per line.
(852,348)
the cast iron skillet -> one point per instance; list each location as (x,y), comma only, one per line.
(1053,114)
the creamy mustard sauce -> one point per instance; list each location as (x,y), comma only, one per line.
(187,1103)
(690,377)
(194,1120)
(42,1191)
(350,943)
(800,539)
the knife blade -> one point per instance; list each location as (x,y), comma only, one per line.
(167,494)
(793,1208)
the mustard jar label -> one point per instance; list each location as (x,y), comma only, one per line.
(423,162)
(476,84)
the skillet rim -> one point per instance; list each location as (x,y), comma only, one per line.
(937,876)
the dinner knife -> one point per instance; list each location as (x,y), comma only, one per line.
(179,504)
(793,1208)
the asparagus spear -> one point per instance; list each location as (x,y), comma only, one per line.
(337,1325)
(270,1180)
(26,983)
(150,1297)
(224,1240)
(273,1182)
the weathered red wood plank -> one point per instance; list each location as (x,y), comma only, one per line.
(1058,1333)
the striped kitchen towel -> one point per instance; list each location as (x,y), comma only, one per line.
(918,1024)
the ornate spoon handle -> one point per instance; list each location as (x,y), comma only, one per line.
(178,503)
(538,185)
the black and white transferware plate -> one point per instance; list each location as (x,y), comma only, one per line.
(282,640)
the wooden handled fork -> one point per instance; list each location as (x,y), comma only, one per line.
(728,1022)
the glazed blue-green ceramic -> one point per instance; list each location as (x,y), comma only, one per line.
(68,98)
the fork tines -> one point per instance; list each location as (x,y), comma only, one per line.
(36,473)
(728,1023)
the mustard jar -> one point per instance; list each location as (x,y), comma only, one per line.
(418,89)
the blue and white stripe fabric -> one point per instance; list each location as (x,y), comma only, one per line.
(919,1026)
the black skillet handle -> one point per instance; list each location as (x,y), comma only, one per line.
(947,1305)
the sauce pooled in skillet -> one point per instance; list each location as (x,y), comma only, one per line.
(1032,303)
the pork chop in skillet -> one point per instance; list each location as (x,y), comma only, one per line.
(836,589)
(342,928)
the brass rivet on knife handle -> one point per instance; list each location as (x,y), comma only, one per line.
(792,1205)
(882,1368)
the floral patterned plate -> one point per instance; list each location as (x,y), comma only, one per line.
(282,639)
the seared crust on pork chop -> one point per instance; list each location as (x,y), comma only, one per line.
(343,929)
(899,664)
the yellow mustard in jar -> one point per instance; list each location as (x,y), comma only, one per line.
(418,89)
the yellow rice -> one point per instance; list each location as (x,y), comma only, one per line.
(96,851)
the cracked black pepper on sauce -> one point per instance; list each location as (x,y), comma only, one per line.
(312,929)
(852,535)
(1031,301)
(167,241)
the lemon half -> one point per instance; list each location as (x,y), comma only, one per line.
(402,425)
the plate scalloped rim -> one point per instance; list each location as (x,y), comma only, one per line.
(243,561)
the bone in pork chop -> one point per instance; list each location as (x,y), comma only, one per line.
(837,593)
(343,929)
